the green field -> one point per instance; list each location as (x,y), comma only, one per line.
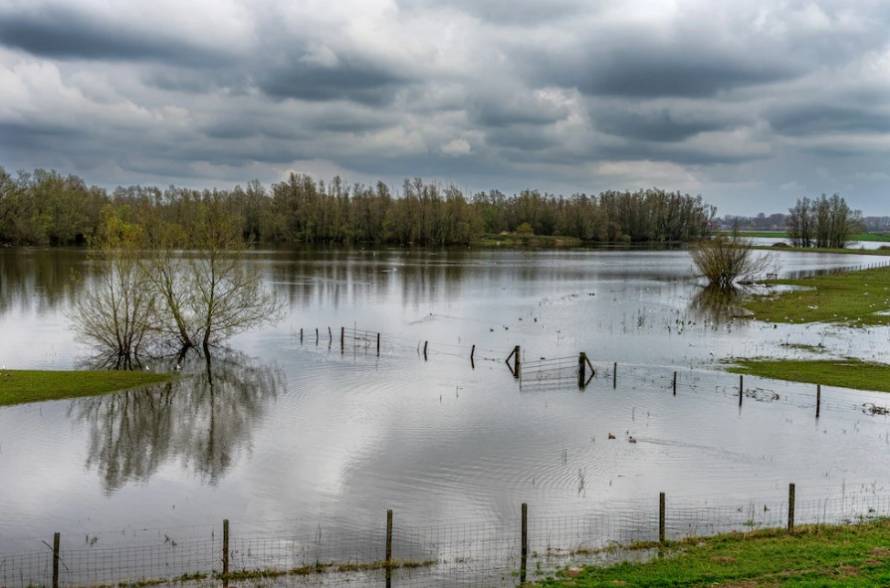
(846,555)
(854,298)
(842,373)
(874,237)
(21,386)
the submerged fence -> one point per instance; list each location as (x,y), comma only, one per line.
(505,553)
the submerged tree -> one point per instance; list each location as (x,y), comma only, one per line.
(724,260)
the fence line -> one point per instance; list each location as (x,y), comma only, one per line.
(469,553)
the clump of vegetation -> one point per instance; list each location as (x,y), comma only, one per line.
(725,260)
(860,298)
(823,223)
(842,555)
(21,386)
(841,373)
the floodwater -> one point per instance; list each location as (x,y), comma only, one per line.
(281,430)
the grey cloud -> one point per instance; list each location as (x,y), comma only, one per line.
(659,124)
(66,33)
(826,118)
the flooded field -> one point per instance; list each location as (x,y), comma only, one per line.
(282,433)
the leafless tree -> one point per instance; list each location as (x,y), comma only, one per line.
(724,260)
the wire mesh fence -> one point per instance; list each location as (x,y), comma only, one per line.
(402,553)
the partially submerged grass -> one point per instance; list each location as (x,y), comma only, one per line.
(858,298)
(841,373)
(21,386)
(883,251)
(873,237)
(531,241)
(844,555)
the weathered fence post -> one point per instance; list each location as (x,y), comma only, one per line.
(791,501)
(675,383)
(425,345)
(378,344)
(342,339)
(301,335)
(662,512)
(818,399)
(388,538)
(330,337)
(615,375)
(225,550)
(741,388)
(516,361)
(316,336)
(524,559)
(57,539)
(582,370)
(473,357)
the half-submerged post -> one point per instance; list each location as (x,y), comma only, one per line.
(675,383)
(473,357)
(741,388)
(316,336)
(662,516)
(514,356)
(582,370)
(57,539)
(378,344)
(301,335)
(615,375)
(388,540)
(330,338)
(791,501)
(342,339)
(818,399)
(425,345)
(523,562)
(225,550)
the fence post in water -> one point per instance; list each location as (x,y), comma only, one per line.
(741,388)
(614,375)
(316,336)
(675,383)
(388,539)
(524,559)
(330,337)
(662,512)
(425,344)
(225,548)
(582,370)
(342,339)
(791,501)
(516,361)
(57,539)
(473,357)
(301,335)
(818,399)
(378,344)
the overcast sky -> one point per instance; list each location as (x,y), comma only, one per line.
(750,103)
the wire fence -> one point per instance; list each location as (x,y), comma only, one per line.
(470,553)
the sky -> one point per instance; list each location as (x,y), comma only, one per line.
(749,103)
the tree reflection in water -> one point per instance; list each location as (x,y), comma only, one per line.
(203,419)
(718,305)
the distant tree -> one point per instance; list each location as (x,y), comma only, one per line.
(725,260)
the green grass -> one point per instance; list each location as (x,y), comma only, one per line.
(845,555)
(874,237)
(21,386)
(530,241)
(848,251)
(842,373)
(852,298)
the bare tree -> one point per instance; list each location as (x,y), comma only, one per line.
(724,260)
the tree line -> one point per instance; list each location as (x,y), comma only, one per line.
(48,208)
(824,222)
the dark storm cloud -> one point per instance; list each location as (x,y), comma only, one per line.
(814,119)
(65,33)
(658,124)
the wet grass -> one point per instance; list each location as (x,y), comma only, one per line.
(509,240)
(856,298)
(883,251)
(844,555)
(872,237)
(22,386)
(841,373)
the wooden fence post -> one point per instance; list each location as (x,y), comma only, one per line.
(316,336)
(301,335)
(741,388)
(378,344)
(523,562)
(615,375)
(662,512)
(818,399)
(582,370)
(342,339)
(388,538)
(57,539)
(472,357)
(516,361)
(225,548)
(791,505)
(425,345)
(675,383)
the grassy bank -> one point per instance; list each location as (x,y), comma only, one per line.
(873,237)
(21,386)
(846,555)
(854,298)
(846,373)
(531,241)
(846,251)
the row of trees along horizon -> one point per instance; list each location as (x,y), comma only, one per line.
(48,208)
